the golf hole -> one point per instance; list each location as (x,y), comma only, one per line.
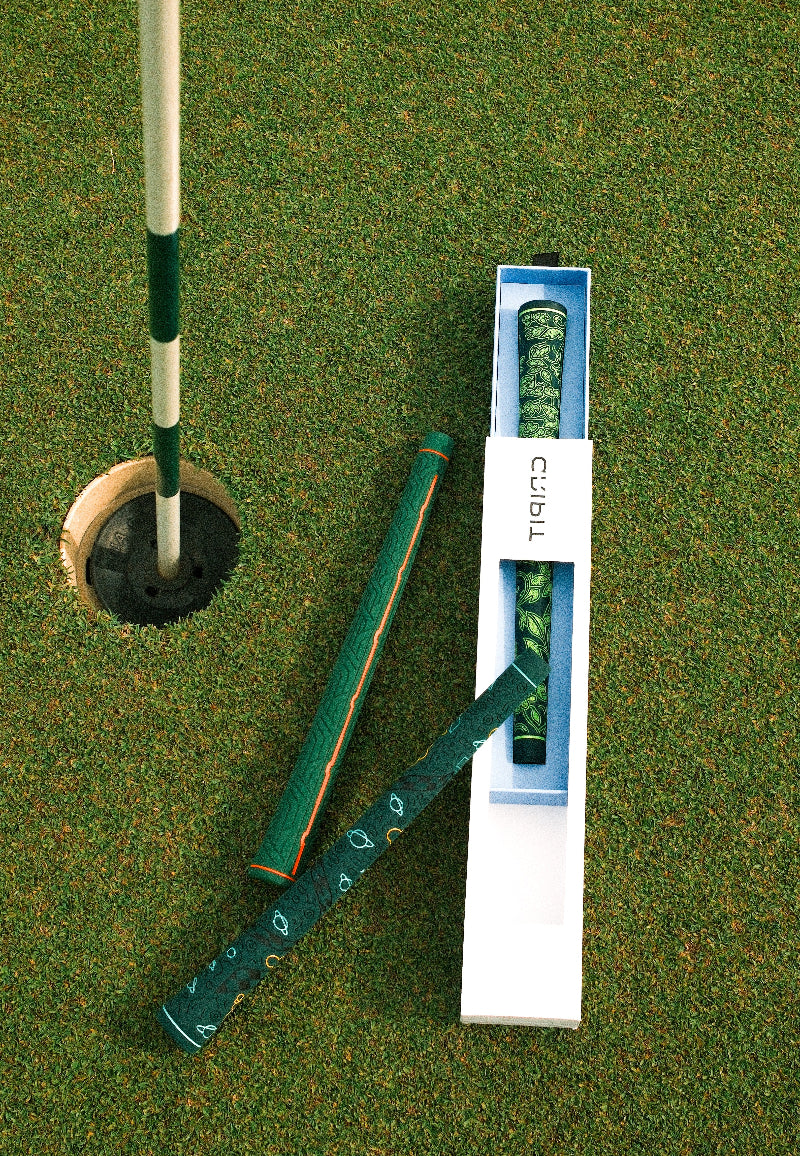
(109,546)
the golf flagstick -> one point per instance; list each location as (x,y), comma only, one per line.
(159,36)
(194,1014)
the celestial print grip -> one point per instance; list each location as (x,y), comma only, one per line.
(541,334)
(193,1016)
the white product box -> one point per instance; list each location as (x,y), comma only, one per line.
(523,923)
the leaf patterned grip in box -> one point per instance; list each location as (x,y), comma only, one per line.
(541,335)
(193,1016)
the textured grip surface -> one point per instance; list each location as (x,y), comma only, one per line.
(541,332)
(194,1014)
(289,837)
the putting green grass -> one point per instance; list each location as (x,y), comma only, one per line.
(352,175)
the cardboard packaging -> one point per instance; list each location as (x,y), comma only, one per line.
(523,924)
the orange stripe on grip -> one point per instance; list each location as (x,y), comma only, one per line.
(273,871)
(370,656)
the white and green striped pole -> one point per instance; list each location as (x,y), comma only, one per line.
(159,31)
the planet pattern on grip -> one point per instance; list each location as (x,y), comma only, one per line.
(541,334)
(290,838)
(193,1016)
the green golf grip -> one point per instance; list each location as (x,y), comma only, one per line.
(542,327)
(193,1016)
(290,836)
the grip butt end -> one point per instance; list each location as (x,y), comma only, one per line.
(265,874)
(176,1034)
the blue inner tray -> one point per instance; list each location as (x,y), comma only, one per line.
(543,784)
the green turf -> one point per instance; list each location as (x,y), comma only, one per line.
(352,176)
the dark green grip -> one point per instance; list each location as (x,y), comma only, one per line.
(193,1016)
(541,331)
(289,839)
